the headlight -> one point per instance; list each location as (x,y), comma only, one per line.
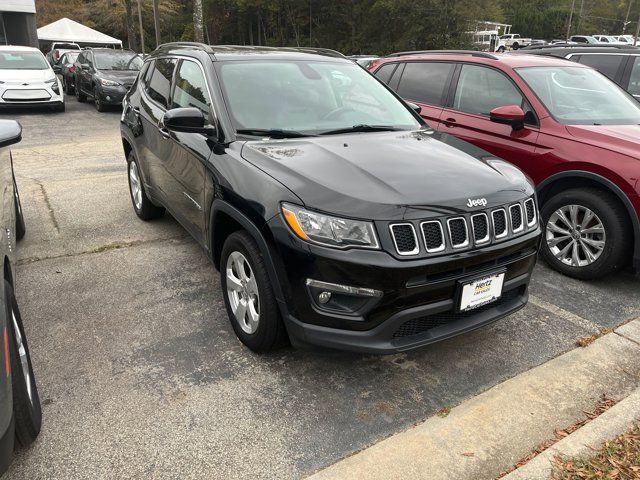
(327,230)
(51,80)
(108,83)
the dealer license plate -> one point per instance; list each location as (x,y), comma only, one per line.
(481,291)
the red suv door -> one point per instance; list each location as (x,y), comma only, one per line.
(478,90)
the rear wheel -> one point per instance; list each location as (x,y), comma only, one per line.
(248,296)
(587,233)
(141,203)
(27,411)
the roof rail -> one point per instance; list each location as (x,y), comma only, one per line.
(579,45)
(317,50)
(473,53)
(198,45)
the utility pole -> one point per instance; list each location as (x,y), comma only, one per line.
(579,26)
(141,29)
(626,19)
(310,42)
(156,21)
(635,38)
(573,4)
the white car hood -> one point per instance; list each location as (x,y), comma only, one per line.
(25,76)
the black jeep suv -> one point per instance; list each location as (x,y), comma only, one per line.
(334,214)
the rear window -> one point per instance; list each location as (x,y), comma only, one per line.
(384,72)
(425,82)
(608,65)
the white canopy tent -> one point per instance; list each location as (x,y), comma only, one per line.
(65,30)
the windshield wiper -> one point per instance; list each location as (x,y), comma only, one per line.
(362,128)
(273,133)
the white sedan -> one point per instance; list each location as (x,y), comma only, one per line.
(27,79)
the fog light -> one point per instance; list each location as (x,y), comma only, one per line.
(108,97)
(324,297)
(346,289)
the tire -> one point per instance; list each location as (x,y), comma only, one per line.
(67,88)
(81,97)
(515,46)
(268,332)
(21,228)
(143,207)
(27,410)
(613,244)
(100,106)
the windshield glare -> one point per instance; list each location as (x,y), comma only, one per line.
(581,96)
(17,60)
(117,61)
(308,96)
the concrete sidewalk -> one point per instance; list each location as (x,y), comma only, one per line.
(489,433)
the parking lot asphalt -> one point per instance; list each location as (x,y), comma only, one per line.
(140,373)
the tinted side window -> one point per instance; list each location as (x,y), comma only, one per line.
(482,89)
(190,88)
(385,71)
(425,82)
(606,64)
(159,85)
(634,79)
(80,58)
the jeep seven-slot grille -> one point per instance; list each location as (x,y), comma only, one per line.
(530,207)
(478,228)
(433,236)
(404,236)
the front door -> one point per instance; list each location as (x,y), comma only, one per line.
(479,90)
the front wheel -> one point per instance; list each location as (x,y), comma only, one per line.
(100,106)
(27,410)
(248,296)
(587,233)
(143,207)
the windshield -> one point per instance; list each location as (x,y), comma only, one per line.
(309,97)
(117,60)
(17,60)
(581,96)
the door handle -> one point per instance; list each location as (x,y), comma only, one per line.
(450,122)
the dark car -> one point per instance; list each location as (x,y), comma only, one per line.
(334,214)
(105,74)
(66,69)
(20,413)
(572,130)
(621,63)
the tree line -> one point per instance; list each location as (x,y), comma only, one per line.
(350,26)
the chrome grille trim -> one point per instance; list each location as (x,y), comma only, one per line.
(466,231)
(473,226)
(531,202)
(493,223)
(442,246)
(415,239)
(521,227)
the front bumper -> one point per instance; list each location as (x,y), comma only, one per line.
(112,95)
(36,94)
(419,300)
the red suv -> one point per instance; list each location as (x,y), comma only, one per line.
(571,129)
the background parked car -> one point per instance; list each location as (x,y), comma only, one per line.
(514,41)
(66,69)
(609,40)
(573,131)
(106,75)
(583,39)
(363,60)
(60,48)
(20,411)
(621,63)
(27,79)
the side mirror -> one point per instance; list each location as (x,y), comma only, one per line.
(508,115)
(10,132)
(187,120)
(56,68)
(414,107)
(84,66)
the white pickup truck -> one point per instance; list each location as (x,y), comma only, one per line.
(514,41)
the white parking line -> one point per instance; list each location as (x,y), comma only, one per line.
(564,314)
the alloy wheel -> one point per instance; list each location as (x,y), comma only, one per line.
(575,235)
(242,291)
(136,185)
(24,359)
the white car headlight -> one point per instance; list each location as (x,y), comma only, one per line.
(51,80)
(108,83)
(327,230)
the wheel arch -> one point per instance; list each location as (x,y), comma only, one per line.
(577,178)
(8,271)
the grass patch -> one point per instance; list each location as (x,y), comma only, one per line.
(616,459)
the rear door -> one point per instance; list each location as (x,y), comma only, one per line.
(426,84)
(478,90)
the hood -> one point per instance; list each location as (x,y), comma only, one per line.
(122,76)
(25,76)
(387,175)
(619,138)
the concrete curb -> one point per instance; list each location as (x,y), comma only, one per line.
(489,433)
(615,421)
